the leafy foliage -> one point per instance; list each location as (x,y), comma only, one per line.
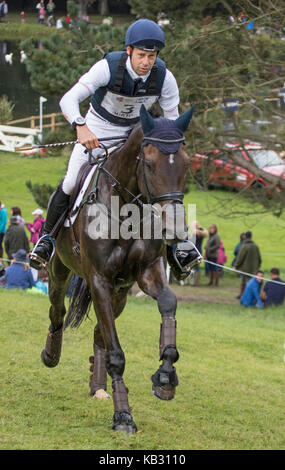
(6,110)
(41,193)
(63,58)
(213,57)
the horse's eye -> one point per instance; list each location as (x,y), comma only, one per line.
(149,165)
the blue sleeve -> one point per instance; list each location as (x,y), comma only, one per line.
(256,294)
(31,279)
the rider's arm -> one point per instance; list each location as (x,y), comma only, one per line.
(97,76)
(169,98)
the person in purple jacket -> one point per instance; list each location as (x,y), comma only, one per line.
(36,227)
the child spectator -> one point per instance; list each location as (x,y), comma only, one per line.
(36,227)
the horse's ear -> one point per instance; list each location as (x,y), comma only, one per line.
(148,123)
(184,120)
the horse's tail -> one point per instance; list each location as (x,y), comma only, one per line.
(79,304)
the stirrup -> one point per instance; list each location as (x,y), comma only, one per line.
(38,261)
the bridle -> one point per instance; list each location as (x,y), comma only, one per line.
(172,196)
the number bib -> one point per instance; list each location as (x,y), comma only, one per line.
(127,107)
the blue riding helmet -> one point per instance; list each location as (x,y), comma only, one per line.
(146,35)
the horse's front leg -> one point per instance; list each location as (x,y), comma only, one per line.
(59,276)
(98,378)
(102,298)
(153,282)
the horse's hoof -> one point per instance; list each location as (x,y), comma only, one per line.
(52,351)
(164,383)
(163,392)
(123,422)
(101,395)
(47,360)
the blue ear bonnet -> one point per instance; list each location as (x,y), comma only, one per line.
(164,129)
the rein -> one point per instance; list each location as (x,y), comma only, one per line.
(173,196)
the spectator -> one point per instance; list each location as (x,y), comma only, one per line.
(238,246)
(22,15)
(248,260)
(198,235)
(2,269)
(273,293)
(222,258)
(38,7)
(1,11)
(68,18)
(17,211)
(251,296)
(18,275)
(42,13)
(50,7)
(3,226)
(15,238)
(211,254)
(36,227)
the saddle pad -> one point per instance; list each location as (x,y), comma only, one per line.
(80,197)
(84,188)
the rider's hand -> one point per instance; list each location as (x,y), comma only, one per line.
(86,137)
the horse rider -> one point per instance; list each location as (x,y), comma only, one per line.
(117,84)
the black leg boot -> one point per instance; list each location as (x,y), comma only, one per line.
(42,252)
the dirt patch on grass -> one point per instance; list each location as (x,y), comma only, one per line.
(224,294)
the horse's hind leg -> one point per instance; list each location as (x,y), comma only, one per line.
(153,282)
(59,276)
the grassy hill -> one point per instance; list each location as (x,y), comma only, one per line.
(231,377)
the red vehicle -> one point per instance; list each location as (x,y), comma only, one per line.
(216,168)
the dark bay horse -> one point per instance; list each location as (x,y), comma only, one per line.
(138,173)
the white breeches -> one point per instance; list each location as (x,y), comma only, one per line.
(101,128)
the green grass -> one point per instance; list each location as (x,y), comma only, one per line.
(15,30)
(231,366)
(230,393)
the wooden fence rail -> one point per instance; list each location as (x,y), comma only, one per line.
(33,121)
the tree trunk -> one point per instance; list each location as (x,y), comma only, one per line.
(103,7)
(83,8)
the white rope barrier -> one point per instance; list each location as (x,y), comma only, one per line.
(14,261)
(205,261)
(242,272)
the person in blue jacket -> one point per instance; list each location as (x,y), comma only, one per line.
(3,225)
(251,296)
(19,274)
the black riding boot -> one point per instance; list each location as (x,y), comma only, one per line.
(183,258)
(42,252)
